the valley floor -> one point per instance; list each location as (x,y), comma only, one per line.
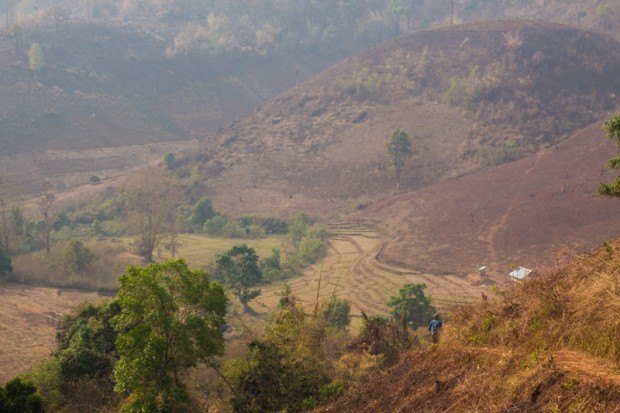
(351,270)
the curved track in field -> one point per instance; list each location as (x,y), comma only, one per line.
(352,271)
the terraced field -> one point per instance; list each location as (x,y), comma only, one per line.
(351,270)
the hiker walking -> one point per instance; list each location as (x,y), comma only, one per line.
(434,328)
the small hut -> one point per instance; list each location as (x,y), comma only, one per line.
(519,274)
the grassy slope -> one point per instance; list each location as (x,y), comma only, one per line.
(322,144)
(551,344)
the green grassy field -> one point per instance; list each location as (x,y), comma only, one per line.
(200,250)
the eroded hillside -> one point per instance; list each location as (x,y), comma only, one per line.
(470,96)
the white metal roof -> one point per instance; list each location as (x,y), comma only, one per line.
(520,273)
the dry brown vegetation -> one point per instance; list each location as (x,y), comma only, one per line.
(27,323)
(112,257)
(110,91)
(469,96)
(552,344)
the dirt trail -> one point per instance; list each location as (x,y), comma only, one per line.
(352,271)
(587,366)
(570,361)
(501,223)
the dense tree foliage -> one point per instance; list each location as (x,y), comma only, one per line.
(337,313)
(286,370)
(612,127)
(202,211)
(6,266)
(78,256)
(86,343)
(20,397)
(238,268)
(412,305)
(170,320)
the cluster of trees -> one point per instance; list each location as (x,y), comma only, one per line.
(242,270)
(134,352)
(165,319)
(253,27)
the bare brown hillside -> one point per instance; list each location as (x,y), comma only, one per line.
(519,213)
(470,96)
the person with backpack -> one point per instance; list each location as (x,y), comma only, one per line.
(434,328)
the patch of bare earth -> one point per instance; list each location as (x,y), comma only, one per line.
(27,324)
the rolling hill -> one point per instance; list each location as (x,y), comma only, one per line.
(521,213)
(112,85)
(470,96)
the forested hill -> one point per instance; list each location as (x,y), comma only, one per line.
(470,96)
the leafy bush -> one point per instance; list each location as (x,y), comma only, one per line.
(412,305)
(86,342)
(244,227)
(77,256)
(5,264)
(202,211)
(286,370)
(337,313)
(18,396)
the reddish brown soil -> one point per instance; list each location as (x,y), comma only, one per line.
(518,213)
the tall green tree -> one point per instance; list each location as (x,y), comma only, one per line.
(412,305)
(612,127)
(78,256)
(238,268)
(399,149)
(46,209)
(170,320)
(202,211)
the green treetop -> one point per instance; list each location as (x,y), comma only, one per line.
(612,127)
(412,305)
(238,268)
(170,320)
(399,149)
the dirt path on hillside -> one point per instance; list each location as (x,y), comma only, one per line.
(351,271)
(501,223)
(27,324)
(570,361)
(587,366)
